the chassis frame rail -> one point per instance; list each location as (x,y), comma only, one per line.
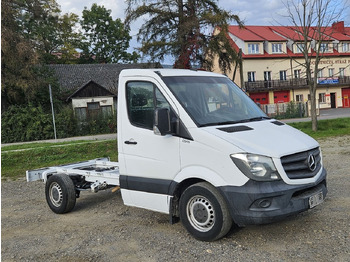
(97,170)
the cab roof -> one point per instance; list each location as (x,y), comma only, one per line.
(167,72)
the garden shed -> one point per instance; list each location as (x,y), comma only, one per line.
(92,88)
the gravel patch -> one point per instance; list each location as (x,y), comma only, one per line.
(101,228)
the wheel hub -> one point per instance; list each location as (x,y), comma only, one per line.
(200,213)
(56,194)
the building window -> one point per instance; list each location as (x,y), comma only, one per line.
(267,75)
(300,47)
(346,47)
(106,110)
(320,73)
(277,48)
(93,109)
(283,75)
(80,113)
(251,76)
(297,73)
(336,46)
(331,72)
(322,97)
(253,48)
(299,98)
(324,47)
(341,72)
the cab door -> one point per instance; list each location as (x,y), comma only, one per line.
(151,161)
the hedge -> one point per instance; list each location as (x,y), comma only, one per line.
(29,123)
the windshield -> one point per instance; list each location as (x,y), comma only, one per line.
(213,100)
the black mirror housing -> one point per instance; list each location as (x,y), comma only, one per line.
(162,121)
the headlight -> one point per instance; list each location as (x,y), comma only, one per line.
(256,167)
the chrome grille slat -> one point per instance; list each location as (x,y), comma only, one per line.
(296,165)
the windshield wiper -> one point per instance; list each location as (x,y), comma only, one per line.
(253,119)
(221,123)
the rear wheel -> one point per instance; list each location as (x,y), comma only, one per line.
(204,213)
(60,193)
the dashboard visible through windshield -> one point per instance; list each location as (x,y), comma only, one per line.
(213,100)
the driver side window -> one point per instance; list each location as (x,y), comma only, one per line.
(142,100)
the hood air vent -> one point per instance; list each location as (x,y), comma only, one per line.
(233,129)
(278,123)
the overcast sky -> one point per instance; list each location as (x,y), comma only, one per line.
(252,12)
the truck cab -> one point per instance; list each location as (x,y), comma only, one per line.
(193,145)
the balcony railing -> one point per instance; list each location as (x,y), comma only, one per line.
(297,83)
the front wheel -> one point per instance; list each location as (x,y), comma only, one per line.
(60,193)
(204,212)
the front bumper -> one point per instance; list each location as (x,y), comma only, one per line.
(266,202)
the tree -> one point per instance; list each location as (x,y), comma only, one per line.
(182,28)
(24,80)
(70,37)
(54,37)
(311,20)
(106,40)
(17,58)
(39,23)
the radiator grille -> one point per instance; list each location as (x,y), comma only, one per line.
(297,166)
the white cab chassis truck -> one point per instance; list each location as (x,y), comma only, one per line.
(192,145)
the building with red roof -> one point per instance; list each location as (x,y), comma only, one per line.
(272,58)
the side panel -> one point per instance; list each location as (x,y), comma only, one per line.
(207,157)
(151,201)
(147,159)
(145,153)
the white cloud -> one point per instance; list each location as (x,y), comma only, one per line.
(77,6)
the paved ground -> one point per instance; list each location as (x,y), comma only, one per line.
(324,114)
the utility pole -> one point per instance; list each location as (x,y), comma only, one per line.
(53,113)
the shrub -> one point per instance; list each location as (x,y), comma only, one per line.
(29,123)
(25,123)
(293,110)
(100,124)
(66,123)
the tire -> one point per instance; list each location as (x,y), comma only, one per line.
(204,212)
(60,193)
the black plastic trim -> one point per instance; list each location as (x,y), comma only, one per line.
(278,123)
(149,185)
(233,129)
(183,131)
(285,200)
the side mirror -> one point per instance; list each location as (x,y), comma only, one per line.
(162,121)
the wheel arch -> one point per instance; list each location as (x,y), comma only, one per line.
(186,178)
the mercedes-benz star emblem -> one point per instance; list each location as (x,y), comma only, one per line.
(311,162)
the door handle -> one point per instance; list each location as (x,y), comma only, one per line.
(130,142)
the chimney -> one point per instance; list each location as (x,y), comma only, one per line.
(339,27)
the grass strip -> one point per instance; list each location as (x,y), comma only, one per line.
(326,128)
(41,144)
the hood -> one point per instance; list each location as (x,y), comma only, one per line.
(269,137)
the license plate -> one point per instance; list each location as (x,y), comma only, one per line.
(316,199)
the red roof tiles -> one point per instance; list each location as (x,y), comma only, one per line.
(244,34)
